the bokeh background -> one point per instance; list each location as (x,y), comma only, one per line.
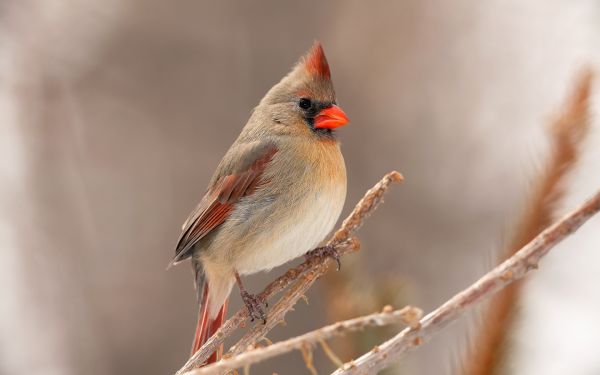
(114,114)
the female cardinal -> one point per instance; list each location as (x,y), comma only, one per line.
(276,194)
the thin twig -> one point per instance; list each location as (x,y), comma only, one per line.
(343,241)
(517,266)
(491,347)
(408,315)
(307,356)
(330,353)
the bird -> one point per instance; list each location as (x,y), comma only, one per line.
(275,195)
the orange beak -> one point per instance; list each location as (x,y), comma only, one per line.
(331,118)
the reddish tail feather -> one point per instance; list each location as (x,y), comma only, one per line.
(207,327)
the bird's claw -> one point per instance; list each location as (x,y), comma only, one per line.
(254,304)
(326,251)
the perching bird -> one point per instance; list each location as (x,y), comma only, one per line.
(276,194)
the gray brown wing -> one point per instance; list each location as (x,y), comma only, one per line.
(237,176)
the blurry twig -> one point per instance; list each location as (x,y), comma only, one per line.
(408,315)
(517,266)
(567,132)
(302,277)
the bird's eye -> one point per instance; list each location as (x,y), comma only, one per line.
(305,103)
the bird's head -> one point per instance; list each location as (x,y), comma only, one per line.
(304,100)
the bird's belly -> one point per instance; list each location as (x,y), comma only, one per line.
(300,230)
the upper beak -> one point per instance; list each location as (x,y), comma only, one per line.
(331,118)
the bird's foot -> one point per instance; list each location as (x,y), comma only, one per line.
(254,304)
(326,251)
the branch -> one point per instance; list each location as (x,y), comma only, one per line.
(303,275)
(509,271)
(408,316)
(490,348)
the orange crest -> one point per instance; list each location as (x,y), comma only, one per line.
(315,62)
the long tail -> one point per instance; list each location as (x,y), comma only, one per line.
(206,326)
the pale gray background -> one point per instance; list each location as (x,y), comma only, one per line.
(113,115)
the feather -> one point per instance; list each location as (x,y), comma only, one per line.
(217,204)
(315,62)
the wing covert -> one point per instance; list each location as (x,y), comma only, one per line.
(233,180)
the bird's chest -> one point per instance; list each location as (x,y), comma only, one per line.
(306,221)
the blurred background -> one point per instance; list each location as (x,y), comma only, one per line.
(114,114)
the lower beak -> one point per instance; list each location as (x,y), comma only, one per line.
(331,118)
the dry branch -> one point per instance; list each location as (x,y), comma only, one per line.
(408,315)
(567,132)
(509,271)
(303,276)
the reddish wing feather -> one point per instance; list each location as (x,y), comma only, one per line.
(219,201)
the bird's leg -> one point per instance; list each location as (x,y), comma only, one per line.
(253,303)
(326,251)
